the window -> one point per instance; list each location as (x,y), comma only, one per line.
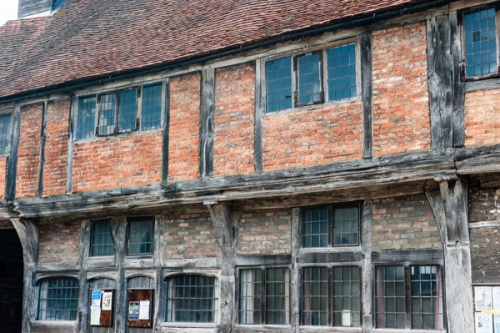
(140,236)
(342,285)
(101,242)
(330,226)
(305,81)
(480,42)
(119,111)
(408,296)
(264,296)
(56,4)
(192,298)
(4,133)
(58,299)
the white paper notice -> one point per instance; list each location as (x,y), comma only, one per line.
(483,298)
(144,310)
(107,299)
(346,318)
(95,316)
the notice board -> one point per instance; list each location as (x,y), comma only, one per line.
(101,307)
(139,307)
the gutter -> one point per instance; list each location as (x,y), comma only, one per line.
(348,22)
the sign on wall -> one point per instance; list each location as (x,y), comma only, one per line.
(101,307)
(139,307)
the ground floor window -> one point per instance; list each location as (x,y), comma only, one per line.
(408,297)
(58,299)
(192,298)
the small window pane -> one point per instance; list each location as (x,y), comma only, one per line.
(4,133)
(341,72)
(345,226)
(279,84)
(192,298)
(250,296)
(277,296)
(151,106)
(86,117)
(315,227)
(140,237)
(426,297)
(107,114)
(101,242)
(58,299)
(309,78)
(315,296)
(128,110)
(390,297)
(480,42)
(346,296)
(57,3)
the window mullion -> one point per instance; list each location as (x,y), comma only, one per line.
(263,296)
(407,297)
(117,112)
(330,297)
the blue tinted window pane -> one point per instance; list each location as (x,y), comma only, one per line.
(426,298)
(128,107)
(57,3)
(279,84)
(58,299)
(308,78)
(480,42)
(107,114)
(315,227)
(341,72)
(4,132)
(140,239)
(86,117)
(151,106)
(101,242)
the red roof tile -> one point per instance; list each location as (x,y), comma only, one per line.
(93,38)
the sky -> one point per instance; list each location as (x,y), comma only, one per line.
(8,10)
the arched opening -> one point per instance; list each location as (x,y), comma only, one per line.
(11,282)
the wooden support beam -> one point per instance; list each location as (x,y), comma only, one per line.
(43,139)
(207,122)
(10,179)
(450,209)
(457,83)
(295,285)
(259,113)
(367,92)
(366,269)
(166,131)
(119,232)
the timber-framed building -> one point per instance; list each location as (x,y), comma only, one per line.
(244,166)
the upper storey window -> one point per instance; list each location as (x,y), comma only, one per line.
(4,133)
(57,3)
(480,42)
(119,111)
(311,78)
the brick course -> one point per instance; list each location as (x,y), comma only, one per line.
(117,161)
(401,116)
(265,232)
(3,175)
(184,130)
(234,120)
(190,236)
(484,204)
(28,162)
(485,252)
(56,148)
(404,223)
(482,125)
(59,242)
(326,134)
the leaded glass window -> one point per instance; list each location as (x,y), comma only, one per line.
(85,119)
(107,114)
(58,299)
(57,3)
(309,77)
(315,227)
(346,296)
(101,242)
(140,238)
(426,297)
(4,133)
(341,72)
(315,296)
(128,110)
(151,106)
(192,298)
(279,84)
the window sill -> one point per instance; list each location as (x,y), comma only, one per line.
(241,328)
(483,84)
(394,330)
(331,249)
(312,106)
(189,325)
(319,329)
(116,135)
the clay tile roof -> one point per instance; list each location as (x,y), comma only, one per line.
(93,38)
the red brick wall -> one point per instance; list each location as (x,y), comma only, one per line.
(401,117)
(117,162)
(190,236)
(3,175)
(265,232)
(482,124)
(404,223)
(56,147)
(184,131)
(234,120)
(28,163)
(59,242)
(329,134)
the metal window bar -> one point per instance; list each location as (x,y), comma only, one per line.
(250,298)
(277,296)
(85,119)
(279,84)
(390,297)
(101,242)
(58,299)
(192,298)
(151,106)
(4,133)
(315,296)
(346,296)
(315,227)
(140,240)
(480,42)
(346,226)
(309,77)
(426,297)
(341,68)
